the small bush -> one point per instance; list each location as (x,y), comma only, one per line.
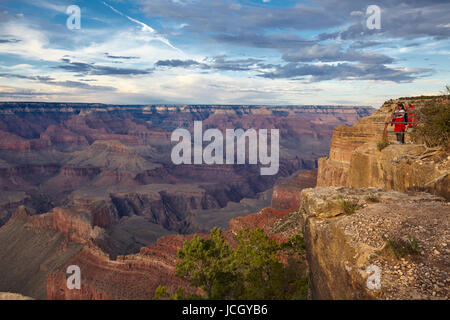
(401,248)
(382,144)
(296,243)
(372,199)
(348,206)
(162,293)
(434,124)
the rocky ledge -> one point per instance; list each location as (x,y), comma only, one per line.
(352,233)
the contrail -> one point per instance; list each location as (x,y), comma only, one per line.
(145,27)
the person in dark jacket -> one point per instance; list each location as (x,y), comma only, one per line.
(400,120)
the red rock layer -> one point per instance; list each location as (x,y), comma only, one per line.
(129,277)
(287,195)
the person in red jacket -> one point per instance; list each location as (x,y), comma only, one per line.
(412,118)
(399,118)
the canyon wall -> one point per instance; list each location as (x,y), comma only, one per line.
(404,168)
(137,276)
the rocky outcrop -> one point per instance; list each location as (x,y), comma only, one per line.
(137,276)
(347,242)
(132,277)
(51,242)
(171,208)
(333,170)
(401,167)
(29,252)
(264,219)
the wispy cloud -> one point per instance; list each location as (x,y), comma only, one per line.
(9,40)
(51,81)
(84,68)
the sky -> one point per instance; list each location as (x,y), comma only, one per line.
(273,52)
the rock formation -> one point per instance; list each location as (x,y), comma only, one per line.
(344,248)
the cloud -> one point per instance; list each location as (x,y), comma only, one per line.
(83,68)
(120,57)
(410,19)
(19,76)
(9,41)
(21,93)
(333,52)
(49,5)
(345,71)
(370,67)
(366,44)
(235,17)
(399,19)
(273,41)
(176,63)
(219,63)
(291,44)
(356,13)
(224,64)
(51,81)
(80,85)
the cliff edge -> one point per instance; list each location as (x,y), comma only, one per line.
(396,239)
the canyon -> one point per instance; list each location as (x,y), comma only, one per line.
(94,185)
(358,210)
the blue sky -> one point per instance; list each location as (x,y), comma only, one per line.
(223,51)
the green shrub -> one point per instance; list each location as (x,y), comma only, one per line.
(434,124)
(252,270)
(296,243)
(162,293)
(382,144)
(373,199)
(348,206)
(401,248)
